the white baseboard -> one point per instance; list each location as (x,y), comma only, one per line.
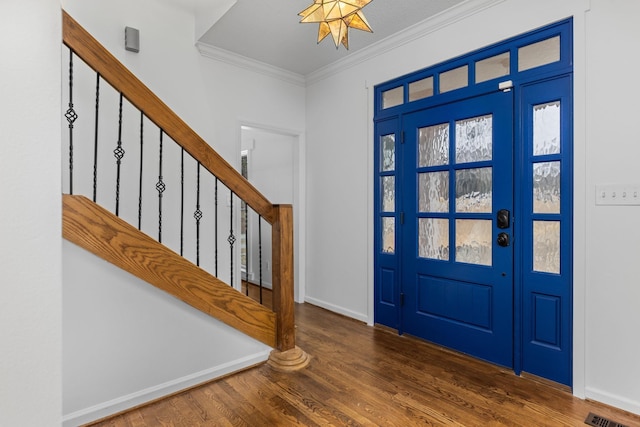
(337,309)
(613,400)
(123,403)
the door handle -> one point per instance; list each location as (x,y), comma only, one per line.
(503,218)
(503,239)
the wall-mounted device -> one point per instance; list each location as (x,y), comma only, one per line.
(132,39)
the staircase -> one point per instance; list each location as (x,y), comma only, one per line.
(110,237)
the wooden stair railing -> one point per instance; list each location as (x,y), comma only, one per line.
(286,356)
(100,232)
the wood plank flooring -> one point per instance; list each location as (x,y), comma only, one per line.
(364,376)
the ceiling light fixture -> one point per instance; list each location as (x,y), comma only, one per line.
(335,17)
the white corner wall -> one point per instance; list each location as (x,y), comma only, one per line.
(30,215)
(606,243)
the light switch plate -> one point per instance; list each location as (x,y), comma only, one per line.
(618,194)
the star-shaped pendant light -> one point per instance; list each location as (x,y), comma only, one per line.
(335,17)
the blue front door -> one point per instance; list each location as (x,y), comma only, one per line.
(474,203)
(457,236)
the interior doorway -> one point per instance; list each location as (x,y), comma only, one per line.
(271,161)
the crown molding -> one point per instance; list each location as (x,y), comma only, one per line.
(240,61)
(419,30)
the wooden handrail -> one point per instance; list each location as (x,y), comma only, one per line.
(117,75)
(279,216)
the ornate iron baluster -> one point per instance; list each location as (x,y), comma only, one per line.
(182,202)
(71,117)
(95,139)
(141,158)
(231,239)
(160,186)
(118,153)
(198,216)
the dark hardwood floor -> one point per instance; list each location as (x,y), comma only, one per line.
(364,376)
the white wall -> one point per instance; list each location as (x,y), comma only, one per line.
(126,342)
(30,215)
(606,243)
(213,98)
(613,238)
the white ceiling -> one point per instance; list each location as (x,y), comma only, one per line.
(269,30)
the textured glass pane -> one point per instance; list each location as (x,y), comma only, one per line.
(473,241)
(474,139)
(388,193)
(434,192)
(474,190)
(546,246)
(493,67)
(388,235)
(388,155)
(546,128)
(546,187)
(392,97)
(537,54)
(433,145)
(454,79)
(433,238)
(421,89)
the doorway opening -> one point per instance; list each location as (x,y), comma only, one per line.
(271,160)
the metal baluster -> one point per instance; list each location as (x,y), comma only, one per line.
(231,239)
(160,186)
(71,116)
(246,243)
(118,153)
(182,202)
(260,253)
(141,158)
(95,139)
(216,227)
(198,216)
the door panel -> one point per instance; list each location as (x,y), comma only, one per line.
(457,174)
(546,229)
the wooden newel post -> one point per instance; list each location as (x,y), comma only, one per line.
(286,357)
(282,279)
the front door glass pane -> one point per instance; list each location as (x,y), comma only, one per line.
(388,155)
(546,187)
(493,67)
(388,193)
(474,139)
(474,189)
(473,241)
(433,238)
(546,246)
(393,97)
(546,128)
(433,145)
(454,79)
(434,192)
(421,89)
(388,235)
(537,54)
